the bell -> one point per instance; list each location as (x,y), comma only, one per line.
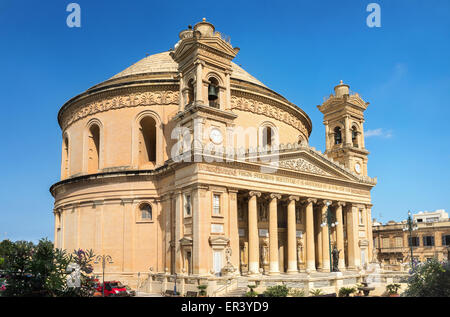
(212,92)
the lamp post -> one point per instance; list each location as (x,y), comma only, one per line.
(410,226)
(329,221)
(104,259)
(175,285)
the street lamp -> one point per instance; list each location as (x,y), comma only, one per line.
(104,259)
(329,221)
(175,285)
(410,226)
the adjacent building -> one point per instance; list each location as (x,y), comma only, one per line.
(186,163)
(430,239)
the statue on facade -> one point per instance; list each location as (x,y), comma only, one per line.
(299,251)
(335,254)
(265,252)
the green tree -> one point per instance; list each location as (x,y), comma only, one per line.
(430,279)
(42,270)
(5,248)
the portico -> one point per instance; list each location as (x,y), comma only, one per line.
(308,211)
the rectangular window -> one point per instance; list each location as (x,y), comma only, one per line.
(398,242)
(386,243)
(361,220)
(428,241)
(216,204)
(187,205)
(415,241)
(445,239)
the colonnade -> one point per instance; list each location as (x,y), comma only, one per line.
(310,222)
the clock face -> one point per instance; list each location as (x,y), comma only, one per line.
(216,136)
(357,168)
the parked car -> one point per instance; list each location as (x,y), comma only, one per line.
(130,291)
(112,288)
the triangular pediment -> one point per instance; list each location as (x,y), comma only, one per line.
(308,160)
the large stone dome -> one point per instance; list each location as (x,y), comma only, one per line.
(164,63)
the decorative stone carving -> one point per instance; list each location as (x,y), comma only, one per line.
(303,165)
(258,107)
(117,102)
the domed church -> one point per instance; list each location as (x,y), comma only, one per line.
(185,163)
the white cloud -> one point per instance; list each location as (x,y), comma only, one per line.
(378,133)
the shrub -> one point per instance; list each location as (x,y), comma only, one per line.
(276,291)
(202,290)
(296,292)
(392,289)
(430,279)
(346,291)
(316,292)
(251,293)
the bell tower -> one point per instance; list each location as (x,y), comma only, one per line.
(204,64)
(344,133)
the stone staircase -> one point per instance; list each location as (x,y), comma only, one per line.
(241,288)
(237,292)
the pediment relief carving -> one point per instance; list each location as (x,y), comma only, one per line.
(300,164)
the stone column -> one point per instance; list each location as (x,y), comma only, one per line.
(348,135)
(325,238)
(253,237)
(273,234)
(181,94)
(340,235)
(178,222)
(369,232)
(291,236)
(310,251)
(199,83)
(328,144)
(233,227)
(352,237)
(227,104)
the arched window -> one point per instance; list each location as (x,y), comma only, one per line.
(147,140)
(355,136)
(190,92)
(213,93)
(146,212)
(268,135)
(65,172)
(93,148)
(337,135)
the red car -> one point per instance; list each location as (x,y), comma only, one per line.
(112,288)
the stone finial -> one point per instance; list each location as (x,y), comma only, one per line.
(341,89)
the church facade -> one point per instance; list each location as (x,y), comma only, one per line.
(185,163)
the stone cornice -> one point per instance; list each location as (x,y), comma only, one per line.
(83,106)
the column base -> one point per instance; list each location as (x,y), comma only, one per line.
(274,273)
(292,272)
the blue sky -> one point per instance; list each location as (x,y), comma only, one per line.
(300,49)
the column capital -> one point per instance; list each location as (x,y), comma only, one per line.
(277,196)
(293,197)
(369,206)
(324,202)
(339,203)
(309,200)
(254,193)
(232,190)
